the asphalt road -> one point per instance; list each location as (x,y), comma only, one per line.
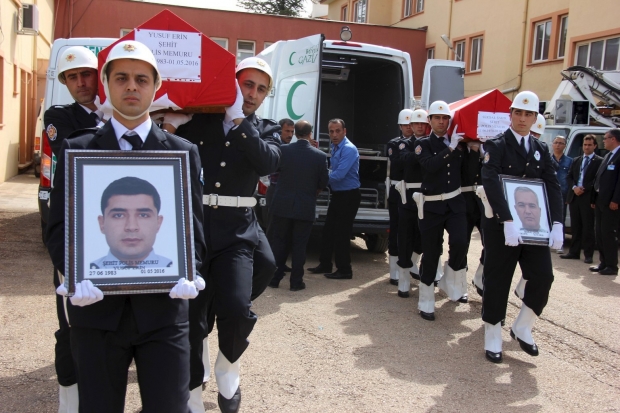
(344,345)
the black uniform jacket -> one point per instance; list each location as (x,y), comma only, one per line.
(303,171)
(65,120)
(471,175)
(151,311)
(503,156)
(609,182)
(412,171)
(232,165)
(441,169)
(572,178)
(394,147)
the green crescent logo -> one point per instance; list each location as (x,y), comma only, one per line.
(290,58)
(289,101)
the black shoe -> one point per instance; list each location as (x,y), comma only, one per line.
(531,349)
(229,405)
(403,294)
(503,322)
(596,268)
(393,281)
(493,357)
(427,316)
(478,289)
(274,283)
(415,276)
(463,300)
(298,287)
(337,275)
(608,271)
(436,283)
(569,256)
(287,268)
(588,260)
(319,269)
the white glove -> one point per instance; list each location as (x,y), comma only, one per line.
(236,110)
(177,119)
(474,146)
(455,138)
(199,282)
(511,234)
(556,238)
(85,293)
(483,139)
(184,290)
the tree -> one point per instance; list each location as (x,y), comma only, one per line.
(281,7)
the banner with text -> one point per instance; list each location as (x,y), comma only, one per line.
(491,124)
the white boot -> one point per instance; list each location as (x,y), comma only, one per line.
(522,327)
(393,269)
(478,279)
(226,375)
(454,283)
(68,399)
(520,288)
(195,403)
(404,282)
(415,258)
(426,301)
(493,337)
(206,362)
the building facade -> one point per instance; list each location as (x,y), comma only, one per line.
(509,45)
(23,66)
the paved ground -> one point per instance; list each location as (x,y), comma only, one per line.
(343,346)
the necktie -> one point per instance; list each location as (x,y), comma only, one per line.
(523,150)
(95,117)
(597,181)
(585,165)
(134,140)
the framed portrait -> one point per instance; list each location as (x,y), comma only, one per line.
(128,223)
(529,207)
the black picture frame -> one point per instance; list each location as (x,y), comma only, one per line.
(534,226)
(167,231)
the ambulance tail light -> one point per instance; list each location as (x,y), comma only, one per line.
(46,162)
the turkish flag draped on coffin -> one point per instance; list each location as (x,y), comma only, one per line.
(485,114)
(198,75)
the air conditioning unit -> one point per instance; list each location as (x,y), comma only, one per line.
(27,20)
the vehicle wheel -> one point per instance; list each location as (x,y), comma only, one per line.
(377,243)
(37,171)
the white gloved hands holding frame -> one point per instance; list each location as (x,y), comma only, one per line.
(511,234)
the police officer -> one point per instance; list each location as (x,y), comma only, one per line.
(441,206)
(515,152)
(77,69)
(235,149)
(409,239)
(394,147)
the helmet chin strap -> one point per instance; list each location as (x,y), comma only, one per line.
(107,93)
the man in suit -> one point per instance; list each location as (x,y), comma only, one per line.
(581,183)
(108,332)
(605,200)
(441,206)
(77,70)
(303,174)
(515,152)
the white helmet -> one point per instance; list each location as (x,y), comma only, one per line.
(73,58)
(526,101)
(539,126)
(439,107)
(405,117)
(258,64)
(420,116)
(131,49)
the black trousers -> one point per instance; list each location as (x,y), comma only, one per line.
(336,239)
(289,234)
(499,266)
(103,359)
(409,237)
(582,226)
(474,221)
(432,227)
(606,229)
(394,225)
(63,360)
(235,277)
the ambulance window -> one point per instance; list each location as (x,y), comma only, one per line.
(245,49)
(223,43)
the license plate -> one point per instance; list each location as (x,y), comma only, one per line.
(44,195)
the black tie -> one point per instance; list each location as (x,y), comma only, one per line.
(523,150)
(585,165)
(95,117)
(134,140)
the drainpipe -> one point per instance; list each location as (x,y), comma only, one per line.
(521,61)
(450,28)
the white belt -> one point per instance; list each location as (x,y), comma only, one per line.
(420,199)
(471,188)
(488,211)
(215,200)
(401,187)
(414,185)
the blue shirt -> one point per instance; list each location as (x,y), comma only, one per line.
(344,166)
(562,171)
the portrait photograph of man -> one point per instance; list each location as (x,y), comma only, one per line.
(529,209)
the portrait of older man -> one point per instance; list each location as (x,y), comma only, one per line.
(529,212)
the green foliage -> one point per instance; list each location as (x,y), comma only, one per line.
(282,7)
